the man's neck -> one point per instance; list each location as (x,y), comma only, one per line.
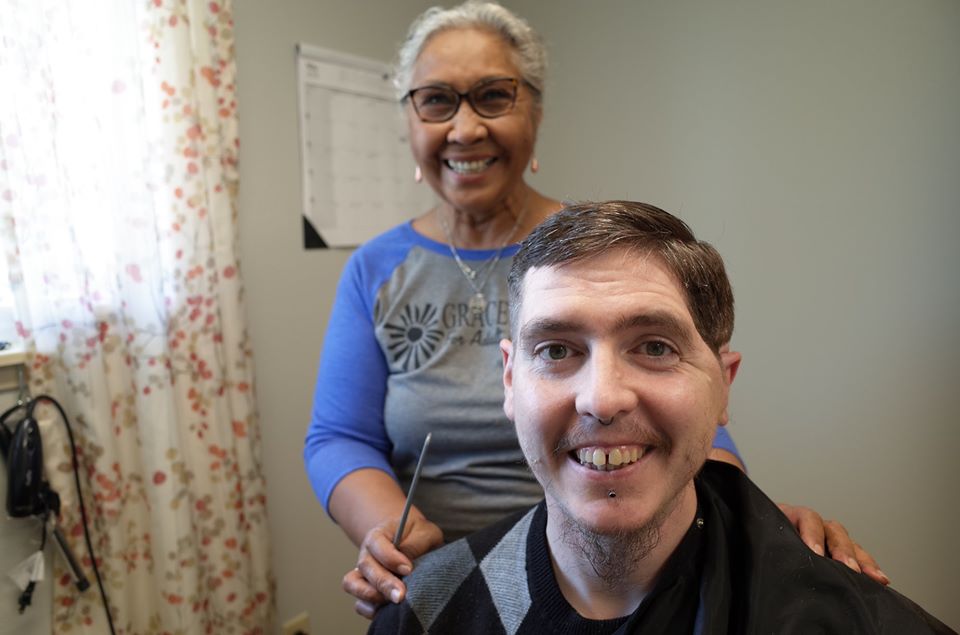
(608,576)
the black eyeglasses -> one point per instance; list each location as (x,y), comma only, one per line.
(490,98)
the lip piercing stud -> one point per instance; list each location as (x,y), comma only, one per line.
(612,494)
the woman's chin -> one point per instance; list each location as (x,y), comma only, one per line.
(481,197)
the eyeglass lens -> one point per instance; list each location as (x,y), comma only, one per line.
(489,99)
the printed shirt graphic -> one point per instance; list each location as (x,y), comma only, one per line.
(405,354)
(415,338)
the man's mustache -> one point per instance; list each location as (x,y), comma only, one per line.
(627,431)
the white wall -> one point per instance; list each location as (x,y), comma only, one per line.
(816,144)
(289,290)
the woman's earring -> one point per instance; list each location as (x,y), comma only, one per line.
(418,175)
(534,165)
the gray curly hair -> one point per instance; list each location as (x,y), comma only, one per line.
(530,53)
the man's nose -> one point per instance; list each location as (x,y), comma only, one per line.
(467,126)
(606,390)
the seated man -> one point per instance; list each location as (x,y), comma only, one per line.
(616,378)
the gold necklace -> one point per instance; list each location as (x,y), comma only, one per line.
(478,302)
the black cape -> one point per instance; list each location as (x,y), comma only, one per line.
(740,569)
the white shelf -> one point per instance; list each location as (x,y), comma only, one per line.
(13,356)
(11,368)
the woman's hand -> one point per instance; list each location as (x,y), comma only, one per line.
(374,579)
(817,532)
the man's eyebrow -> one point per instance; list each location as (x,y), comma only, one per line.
(545,327)
(661,320)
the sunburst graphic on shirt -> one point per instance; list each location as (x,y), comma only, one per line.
(413,339)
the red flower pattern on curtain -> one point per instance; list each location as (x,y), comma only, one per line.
(118,154)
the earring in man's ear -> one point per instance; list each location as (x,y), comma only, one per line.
(418,175)
(534,165)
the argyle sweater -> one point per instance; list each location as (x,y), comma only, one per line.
(741,570)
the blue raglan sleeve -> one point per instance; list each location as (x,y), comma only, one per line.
(723,441)
(346,430)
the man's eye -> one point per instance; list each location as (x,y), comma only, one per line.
(553,352)
(656,349)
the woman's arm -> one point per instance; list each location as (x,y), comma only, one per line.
(367,504)
(364,499)
(347,432)
(347,450)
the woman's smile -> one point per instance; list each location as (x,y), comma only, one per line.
(474,163)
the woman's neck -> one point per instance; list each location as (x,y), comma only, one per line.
(489,230)
(508,222)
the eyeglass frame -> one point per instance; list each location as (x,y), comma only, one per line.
(461,96)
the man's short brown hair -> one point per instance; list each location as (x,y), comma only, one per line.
(583,230)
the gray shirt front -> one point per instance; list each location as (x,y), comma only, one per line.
(445,377)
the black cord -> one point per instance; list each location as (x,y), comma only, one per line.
(9,411)
(83,510)
(27,595)
(6,436)
(43,531)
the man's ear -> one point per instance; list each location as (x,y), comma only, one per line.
(729,365)
(506,350)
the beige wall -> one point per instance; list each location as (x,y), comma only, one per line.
(816,144)
(289,290)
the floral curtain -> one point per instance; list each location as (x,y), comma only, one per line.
(118,177)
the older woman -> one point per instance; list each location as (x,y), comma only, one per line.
(412,342)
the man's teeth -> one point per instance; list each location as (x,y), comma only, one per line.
(466,167)
(608,460)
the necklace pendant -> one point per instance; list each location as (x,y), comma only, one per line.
(477,304)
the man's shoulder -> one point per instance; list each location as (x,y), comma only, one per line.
(780,582)
(482,575)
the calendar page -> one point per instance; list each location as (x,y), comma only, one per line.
(357,168)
